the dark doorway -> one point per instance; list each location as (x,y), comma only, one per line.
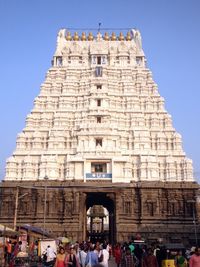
(103,205)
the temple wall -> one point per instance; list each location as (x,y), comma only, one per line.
(155,210)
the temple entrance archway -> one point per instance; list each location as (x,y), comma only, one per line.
(100,217)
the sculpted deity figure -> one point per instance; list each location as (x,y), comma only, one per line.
(61,34)
(60,40)
(137,38)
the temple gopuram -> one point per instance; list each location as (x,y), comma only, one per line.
(99,147)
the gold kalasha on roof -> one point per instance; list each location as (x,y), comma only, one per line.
(68,36)
(76,37)
(90,36)
(121,37)
(83,36)
(106,37)
(128,36)
(113,37)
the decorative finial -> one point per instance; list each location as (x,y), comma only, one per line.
(128,36)
(76,37)
(99,26)
(83,37)
(113,37)
(68,36)
(90,37)
(121,37)
(106,36)
(99,36)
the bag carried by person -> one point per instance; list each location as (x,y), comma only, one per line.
(44,258)
(100,258)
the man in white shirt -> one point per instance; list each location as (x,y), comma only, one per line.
(51,256)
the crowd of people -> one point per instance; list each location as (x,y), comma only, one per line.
(135,255)
(87,254)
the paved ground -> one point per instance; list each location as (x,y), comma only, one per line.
(111,262)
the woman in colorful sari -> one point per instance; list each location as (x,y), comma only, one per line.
(60,258)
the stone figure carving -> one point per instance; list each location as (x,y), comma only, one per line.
(137,38)
(151,208)
(127,207)
(60,41)
(75,48)
(68,207)
(76,201)
(61,34)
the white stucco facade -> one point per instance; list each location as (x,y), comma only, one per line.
(99,115)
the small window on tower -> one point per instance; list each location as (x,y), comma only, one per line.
(59,61)
(139,60)
(99,86)
(103,60)
(98,102)
(97,167)
(99,142)
(99,60)
(98,72)
(93,60)
(98,119)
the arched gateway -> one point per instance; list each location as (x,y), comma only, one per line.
(104,200)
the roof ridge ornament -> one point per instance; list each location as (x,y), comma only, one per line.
(99,27)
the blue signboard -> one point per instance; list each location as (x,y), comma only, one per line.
(99,175)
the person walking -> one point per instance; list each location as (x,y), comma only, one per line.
(50,256)
(195,259)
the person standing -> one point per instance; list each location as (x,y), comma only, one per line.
(9,251)
(82,253)
(50,256)
(180,260)
(97,249)
(60,258)
(117,254)
(128,260)
(71,259)
(195,259)
(149,260)
(105,256)
(91,258)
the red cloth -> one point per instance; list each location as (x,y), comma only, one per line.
(150,261)
(117,255)
(60,263)
(9,248)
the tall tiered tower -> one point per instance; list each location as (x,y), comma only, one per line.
(99,116)
(100,136)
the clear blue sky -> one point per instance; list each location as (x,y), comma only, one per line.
(171,40)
